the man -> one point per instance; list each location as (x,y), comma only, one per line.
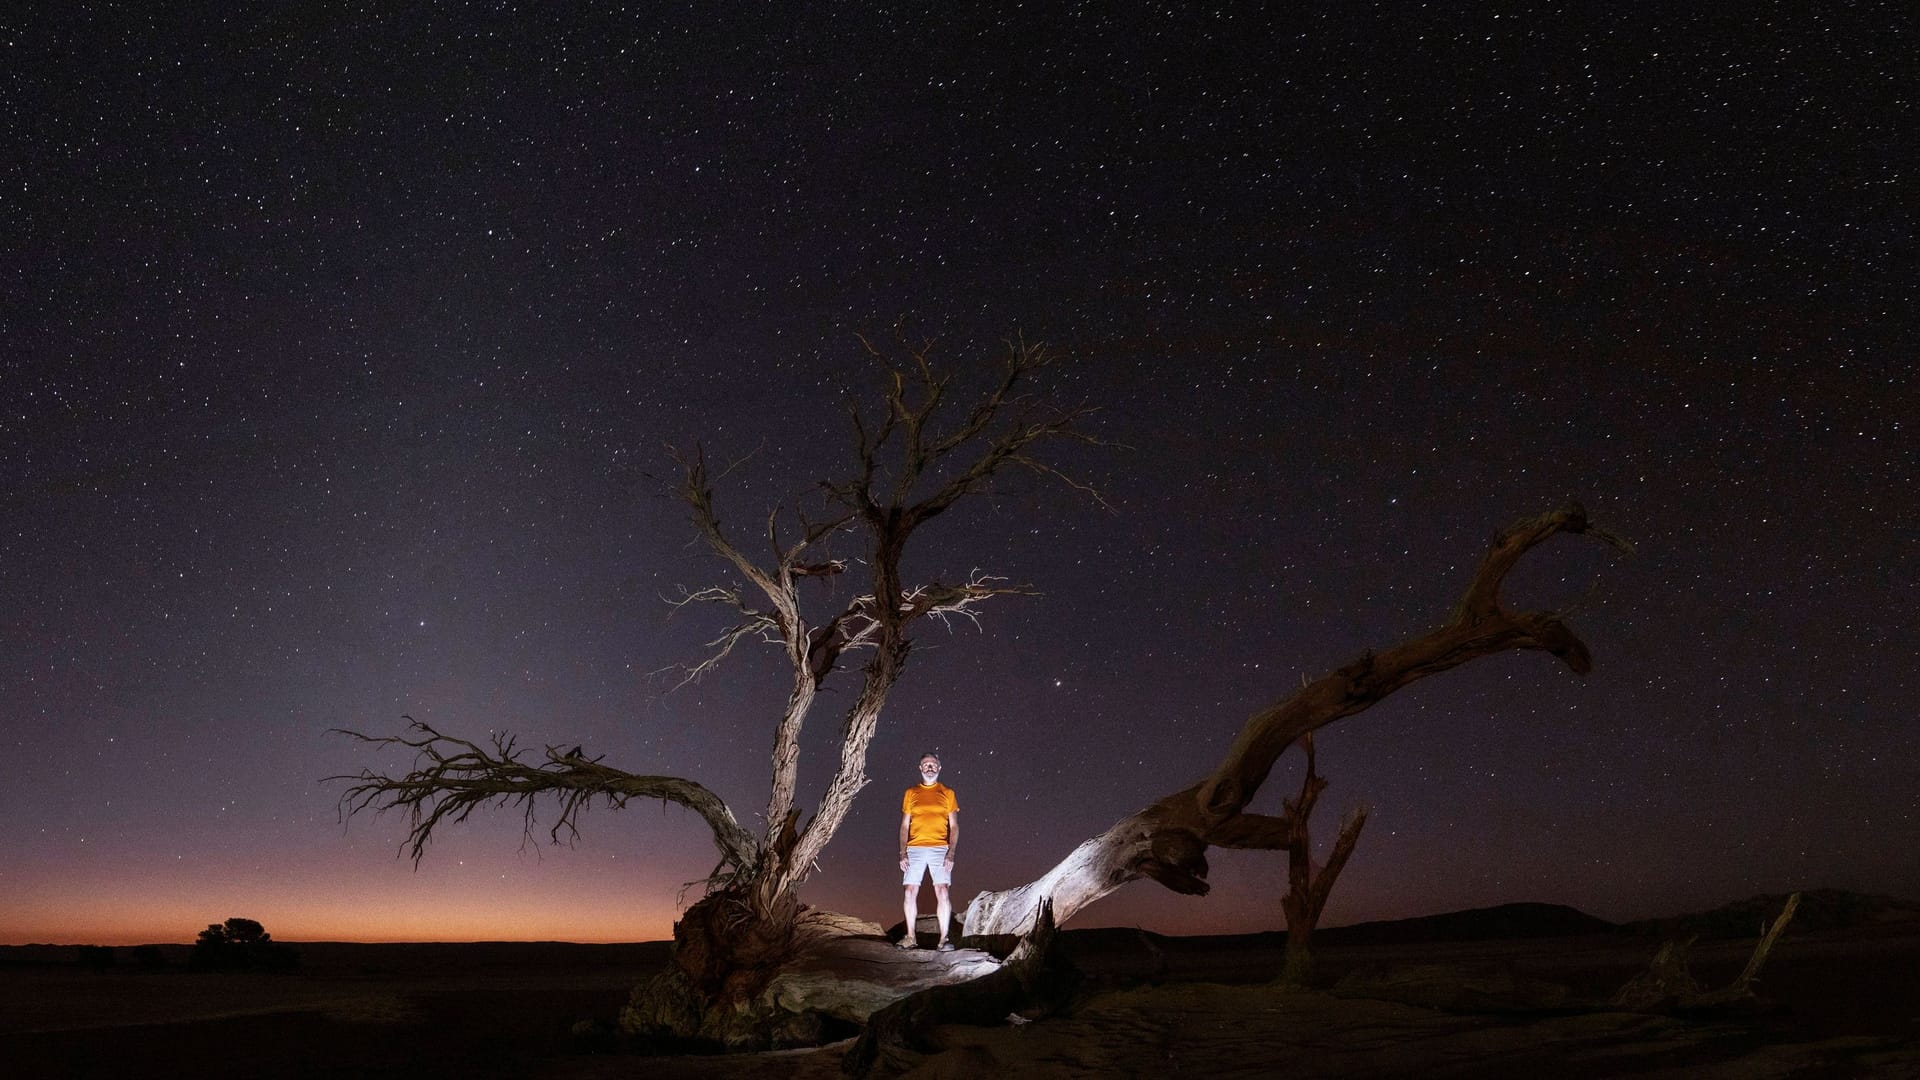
(929,832)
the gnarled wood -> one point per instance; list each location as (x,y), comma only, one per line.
(453,777)
(912,464)
(1167,840)
(854,977)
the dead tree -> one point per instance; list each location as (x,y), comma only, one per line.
(1167,841)
(913,461)
(1668,984)
(1307,891)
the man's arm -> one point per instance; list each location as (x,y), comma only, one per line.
(953,836)
(906,822)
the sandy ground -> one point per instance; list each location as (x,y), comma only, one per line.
(1848,1005)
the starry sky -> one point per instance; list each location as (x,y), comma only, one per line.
(344,343)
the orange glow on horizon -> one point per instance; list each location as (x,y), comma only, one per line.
(178,924)
(387,905)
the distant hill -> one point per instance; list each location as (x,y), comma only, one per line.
(1820,909)
(1505,921)
(44,955)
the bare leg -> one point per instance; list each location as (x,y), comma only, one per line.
(944,904)
(912,908)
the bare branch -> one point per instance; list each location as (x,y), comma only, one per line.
(753,624)
(696,492)
(912,398)
(1343,845)
(452,777)
(1010,448)
(944,601)
(1479,626)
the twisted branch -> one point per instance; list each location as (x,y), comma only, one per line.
(754,624)
(913,397)
(452,777)
(1167,840)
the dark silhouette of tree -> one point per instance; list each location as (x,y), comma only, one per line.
(244,933)
(1309,885)
(240,944)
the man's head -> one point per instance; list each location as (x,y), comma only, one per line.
(929,768)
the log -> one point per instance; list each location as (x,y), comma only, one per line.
(853,978)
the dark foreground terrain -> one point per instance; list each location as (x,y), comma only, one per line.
(1845,1002)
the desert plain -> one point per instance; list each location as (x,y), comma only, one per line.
(1391,1000)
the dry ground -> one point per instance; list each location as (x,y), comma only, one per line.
(1849,1006)
(351,1011)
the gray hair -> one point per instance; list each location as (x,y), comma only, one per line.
(930,754)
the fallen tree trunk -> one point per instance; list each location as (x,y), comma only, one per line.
(1035,980)
(1168,839)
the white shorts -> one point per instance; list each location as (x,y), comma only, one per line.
(924,860)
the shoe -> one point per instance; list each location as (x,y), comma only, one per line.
(906,943)
(946,946)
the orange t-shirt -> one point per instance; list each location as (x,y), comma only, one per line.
(927,809)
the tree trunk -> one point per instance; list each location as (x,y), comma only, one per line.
(742,980)
(1298,970)
(1307,894)
(726,948)
(1307,890)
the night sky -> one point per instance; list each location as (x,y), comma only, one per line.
(342,350)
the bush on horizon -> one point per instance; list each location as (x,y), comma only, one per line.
(240,945)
